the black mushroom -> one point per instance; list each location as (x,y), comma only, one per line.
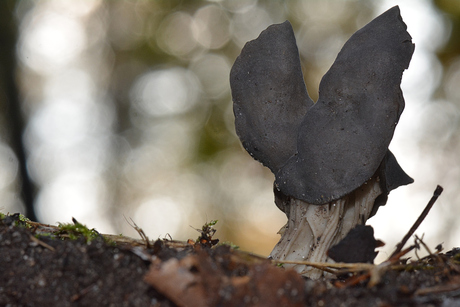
(330,159)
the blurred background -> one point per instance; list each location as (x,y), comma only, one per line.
(115,110)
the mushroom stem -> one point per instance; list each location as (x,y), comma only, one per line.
(312,229)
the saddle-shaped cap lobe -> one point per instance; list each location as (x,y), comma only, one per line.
(344,137)
(269,96)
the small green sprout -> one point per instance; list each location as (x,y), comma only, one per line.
(16,218)
(77,230)
(207,231)
(23,218)
(212,223)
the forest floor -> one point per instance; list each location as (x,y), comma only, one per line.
(71,265)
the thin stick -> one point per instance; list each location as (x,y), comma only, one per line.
(42,243)
(396,257)
(320,265)
(420,219)
(424,245)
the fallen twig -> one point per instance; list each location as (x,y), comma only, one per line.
(140,231)
(439,289)
(42,243)
(420,219)
(420,240)
(351,267)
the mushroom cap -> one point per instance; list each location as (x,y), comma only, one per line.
(324,151)
(269,96)
(344,137)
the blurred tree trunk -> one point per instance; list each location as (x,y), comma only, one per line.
(10,108)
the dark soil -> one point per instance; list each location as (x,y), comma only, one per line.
(40,267)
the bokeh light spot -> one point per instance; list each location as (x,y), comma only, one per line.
(165,92)
(78,194)
(160,216)
(51,41)
(211,27)
(213,71)
(174,35)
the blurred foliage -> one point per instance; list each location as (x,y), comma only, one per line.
(451,10)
